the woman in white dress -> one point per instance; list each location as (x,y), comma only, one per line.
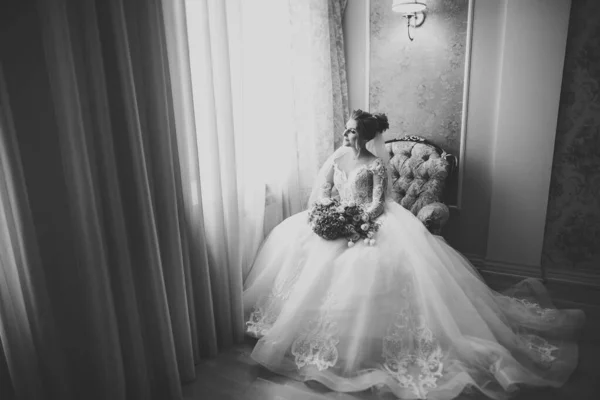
(403,312)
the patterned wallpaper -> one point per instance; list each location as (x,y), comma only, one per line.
(572,237)
(419,84)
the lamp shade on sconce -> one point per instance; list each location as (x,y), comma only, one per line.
(413,11)
(408,7)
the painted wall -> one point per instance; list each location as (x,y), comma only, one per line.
(516,70)
(534,43)
(572,237)
(468,231)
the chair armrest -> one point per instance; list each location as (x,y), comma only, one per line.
(434,216)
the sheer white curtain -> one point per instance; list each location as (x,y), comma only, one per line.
(295,93)
(270,101)
(231,192)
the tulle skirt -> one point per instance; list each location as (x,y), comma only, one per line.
(408,315)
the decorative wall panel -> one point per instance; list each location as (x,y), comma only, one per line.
(420,84)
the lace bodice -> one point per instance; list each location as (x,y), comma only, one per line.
(366,185)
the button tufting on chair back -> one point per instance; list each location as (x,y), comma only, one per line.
(419,172)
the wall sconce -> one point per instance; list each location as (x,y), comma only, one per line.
(413,11)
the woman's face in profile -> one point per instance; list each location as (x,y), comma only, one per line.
(351,133)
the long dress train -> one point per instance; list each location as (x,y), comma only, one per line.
(408,315)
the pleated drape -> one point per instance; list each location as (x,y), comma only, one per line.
(31,363)
(215,163)
(108,288)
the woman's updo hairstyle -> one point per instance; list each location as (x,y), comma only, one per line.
(371,124)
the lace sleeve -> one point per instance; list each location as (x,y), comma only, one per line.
(326,185)
(380,182)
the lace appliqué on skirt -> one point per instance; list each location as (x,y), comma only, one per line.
(540,349)
(413,356)
(267,310)
(546,314)
(317,345)
(261,320)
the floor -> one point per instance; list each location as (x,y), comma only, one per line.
(233,375)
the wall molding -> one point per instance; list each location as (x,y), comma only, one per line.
(504,268)
(577,289)
(465,105)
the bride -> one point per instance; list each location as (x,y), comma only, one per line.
(402,311)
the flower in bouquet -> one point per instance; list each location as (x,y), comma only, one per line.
(355,237)
(351,209)
(331,220)
(325,221)
(365,226)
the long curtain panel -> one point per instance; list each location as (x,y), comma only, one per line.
(30,364)
(270,100)
(107,288)
(303,67)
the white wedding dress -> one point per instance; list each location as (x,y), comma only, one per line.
(408,315)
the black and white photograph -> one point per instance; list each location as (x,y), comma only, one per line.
(299,199)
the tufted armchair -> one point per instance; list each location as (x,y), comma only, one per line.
(419,171)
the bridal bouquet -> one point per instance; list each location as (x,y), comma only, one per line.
(332,219)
